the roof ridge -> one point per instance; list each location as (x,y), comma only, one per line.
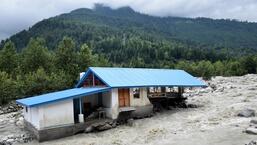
(134,68)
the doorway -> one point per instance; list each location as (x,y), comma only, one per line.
(123,97)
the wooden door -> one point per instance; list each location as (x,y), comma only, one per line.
(123,97)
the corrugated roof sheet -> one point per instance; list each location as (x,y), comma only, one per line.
(119,77)
(140,77)
(60,95)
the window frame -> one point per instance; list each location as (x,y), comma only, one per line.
(136,93)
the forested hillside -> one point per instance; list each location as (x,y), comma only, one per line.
(111,32)
(103,23)
(50,55)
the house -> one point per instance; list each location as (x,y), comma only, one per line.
(102,93)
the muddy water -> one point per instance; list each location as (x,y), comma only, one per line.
(215,123)
(178,127)
(4,128)
(7,125)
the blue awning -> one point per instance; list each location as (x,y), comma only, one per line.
(60,95)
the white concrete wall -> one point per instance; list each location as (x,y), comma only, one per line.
(115,104)
(111,103)
(142,100)
(62,113)
(56,114)
(32,116)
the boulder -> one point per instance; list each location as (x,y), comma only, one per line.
(252,88)
(221,89)
(246,113)
(253,121)
(5,143)
(253,142)
(20,121)
(11,140)
(213,86)
(113,123)
(104,127)
(130,122)
(89,129)
(251,130)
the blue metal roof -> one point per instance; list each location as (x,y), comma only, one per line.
(60,95)
(119,77)
(141,77)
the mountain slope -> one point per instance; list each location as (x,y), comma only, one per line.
(94,25)
(224,33)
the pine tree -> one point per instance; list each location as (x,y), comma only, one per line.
(85,57)
(67,59)
(8,58)
(35,56)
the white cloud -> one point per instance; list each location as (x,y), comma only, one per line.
(16,15)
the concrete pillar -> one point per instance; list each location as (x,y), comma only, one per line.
(81,118)
(81,115)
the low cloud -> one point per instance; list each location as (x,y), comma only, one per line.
(16,15)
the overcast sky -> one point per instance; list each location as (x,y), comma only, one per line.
(16,15)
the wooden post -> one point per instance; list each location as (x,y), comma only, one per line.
(180,91)
(93,79)
(80,105)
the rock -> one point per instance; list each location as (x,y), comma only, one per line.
(10,140)
(5,143)
(11,107)
(251,130)
(253,121)
(10,136)
(89,129)
(104,127)
(206,90)
(114,125)
(213,86)
(192,106)
(20,121)
(253,142)
(221,89)
(130,122)
(246,113)
(252,88)
(11,121)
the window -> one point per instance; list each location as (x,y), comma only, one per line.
(26,109)
(136,92)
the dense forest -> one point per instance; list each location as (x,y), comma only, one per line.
(92,26)
(50,55)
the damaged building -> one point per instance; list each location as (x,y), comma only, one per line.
(104,94)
